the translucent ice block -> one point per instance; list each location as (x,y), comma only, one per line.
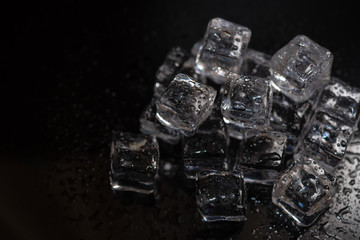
(185,104)
(134,162)
(304,191)
(223,47)
(256,63)
(207,149)
(246,103)
(300,68)
(150,125)
(220,196)
(261,157)
(171,66)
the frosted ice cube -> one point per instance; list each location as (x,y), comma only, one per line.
(256,64)
(150,125)
(171,66)
(223,47)
(185,104)
(134,162)
(220,196)
(341,101)
(304,191)
(246,103)
(300,68)
(261,157)
(207,149)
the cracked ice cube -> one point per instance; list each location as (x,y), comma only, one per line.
(223,47)
(304,191)
(341,100)
(256,64)
(220,196)
(150,125)
(246,103)
(185,104)
(300,68)
(174,61)
(261,157)
(134,160)
(207,149)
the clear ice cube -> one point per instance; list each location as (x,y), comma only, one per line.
(261,157)
(220,196)
(207,149)
(256,64)
(134,160)
(342,101)
(151,126)
(326,136)
(304,191)
(300,68)
(185,104)
(222,50)
(171,66)
(246,103)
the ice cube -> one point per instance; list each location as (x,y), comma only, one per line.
(304,191)
(300,68)
(341,101)
(246,103)
(256,64)
(327,136)
(220,196)
(207,149)
(150,125)
(174,61)
(223,47)
(134,162)
(185,104)
(261,157)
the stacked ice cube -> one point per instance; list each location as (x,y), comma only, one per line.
(291,122)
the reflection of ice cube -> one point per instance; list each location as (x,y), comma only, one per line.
(304,191)
(246,102)
(220,196)
(207,149)
(342,101)
(185,104)
(256,64)
(150,125)
(300,68)
(342,220)
(134,162)
(222,49)
(174,61)
(261,156)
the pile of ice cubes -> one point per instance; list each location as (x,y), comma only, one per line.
(291,119)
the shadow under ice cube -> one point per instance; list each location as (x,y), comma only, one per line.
(261,157)
(150,125)
(300,68)
(134,160)
(246,104)
(185,104)
(220,196)
(207,149)
(223,47)
(304,192)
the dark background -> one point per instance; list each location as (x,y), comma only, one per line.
(72,73)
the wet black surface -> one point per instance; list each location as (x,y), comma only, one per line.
(70,74)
